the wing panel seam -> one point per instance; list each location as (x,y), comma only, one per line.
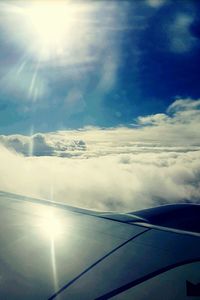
(94,264)
(151,275)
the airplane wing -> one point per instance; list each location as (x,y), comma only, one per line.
(50,250)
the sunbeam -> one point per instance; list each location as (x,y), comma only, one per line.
(50,228)
(54,268)
(31,143)
(33,89)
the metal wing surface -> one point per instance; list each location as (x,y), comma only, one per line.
(54,251)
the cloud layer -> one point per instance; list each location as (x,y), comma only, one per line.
(156,160)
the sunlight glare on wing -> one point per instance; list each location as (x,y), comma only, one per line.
(51,228)
(50,225)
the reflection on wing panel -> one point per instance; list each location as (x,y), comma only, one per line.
(42,247)
(172,285)
(147,253)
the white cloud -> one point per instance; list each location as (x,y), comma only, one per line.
(110,169)
(183,105)
(40,144)
(153,119)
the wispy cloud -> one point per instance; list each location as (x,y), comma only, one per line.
(180,36)
(156,3)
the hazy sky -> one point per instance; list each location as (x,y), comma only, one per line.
(70,64)
(100,101)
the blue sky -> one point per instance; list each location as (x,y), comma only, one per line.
(104,63)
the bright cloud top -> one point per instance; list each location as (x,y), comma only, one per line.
(157,161)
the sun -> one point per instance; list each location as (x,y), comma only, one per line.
(54,28)
(54,31)
(50,23)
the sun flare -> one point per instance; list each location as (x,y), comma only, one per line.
(50,24)
(51,28)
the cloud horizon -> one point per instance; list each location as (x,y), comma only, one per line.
(154,161)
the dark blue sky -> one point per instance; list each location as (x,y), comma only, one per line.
(103,64)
